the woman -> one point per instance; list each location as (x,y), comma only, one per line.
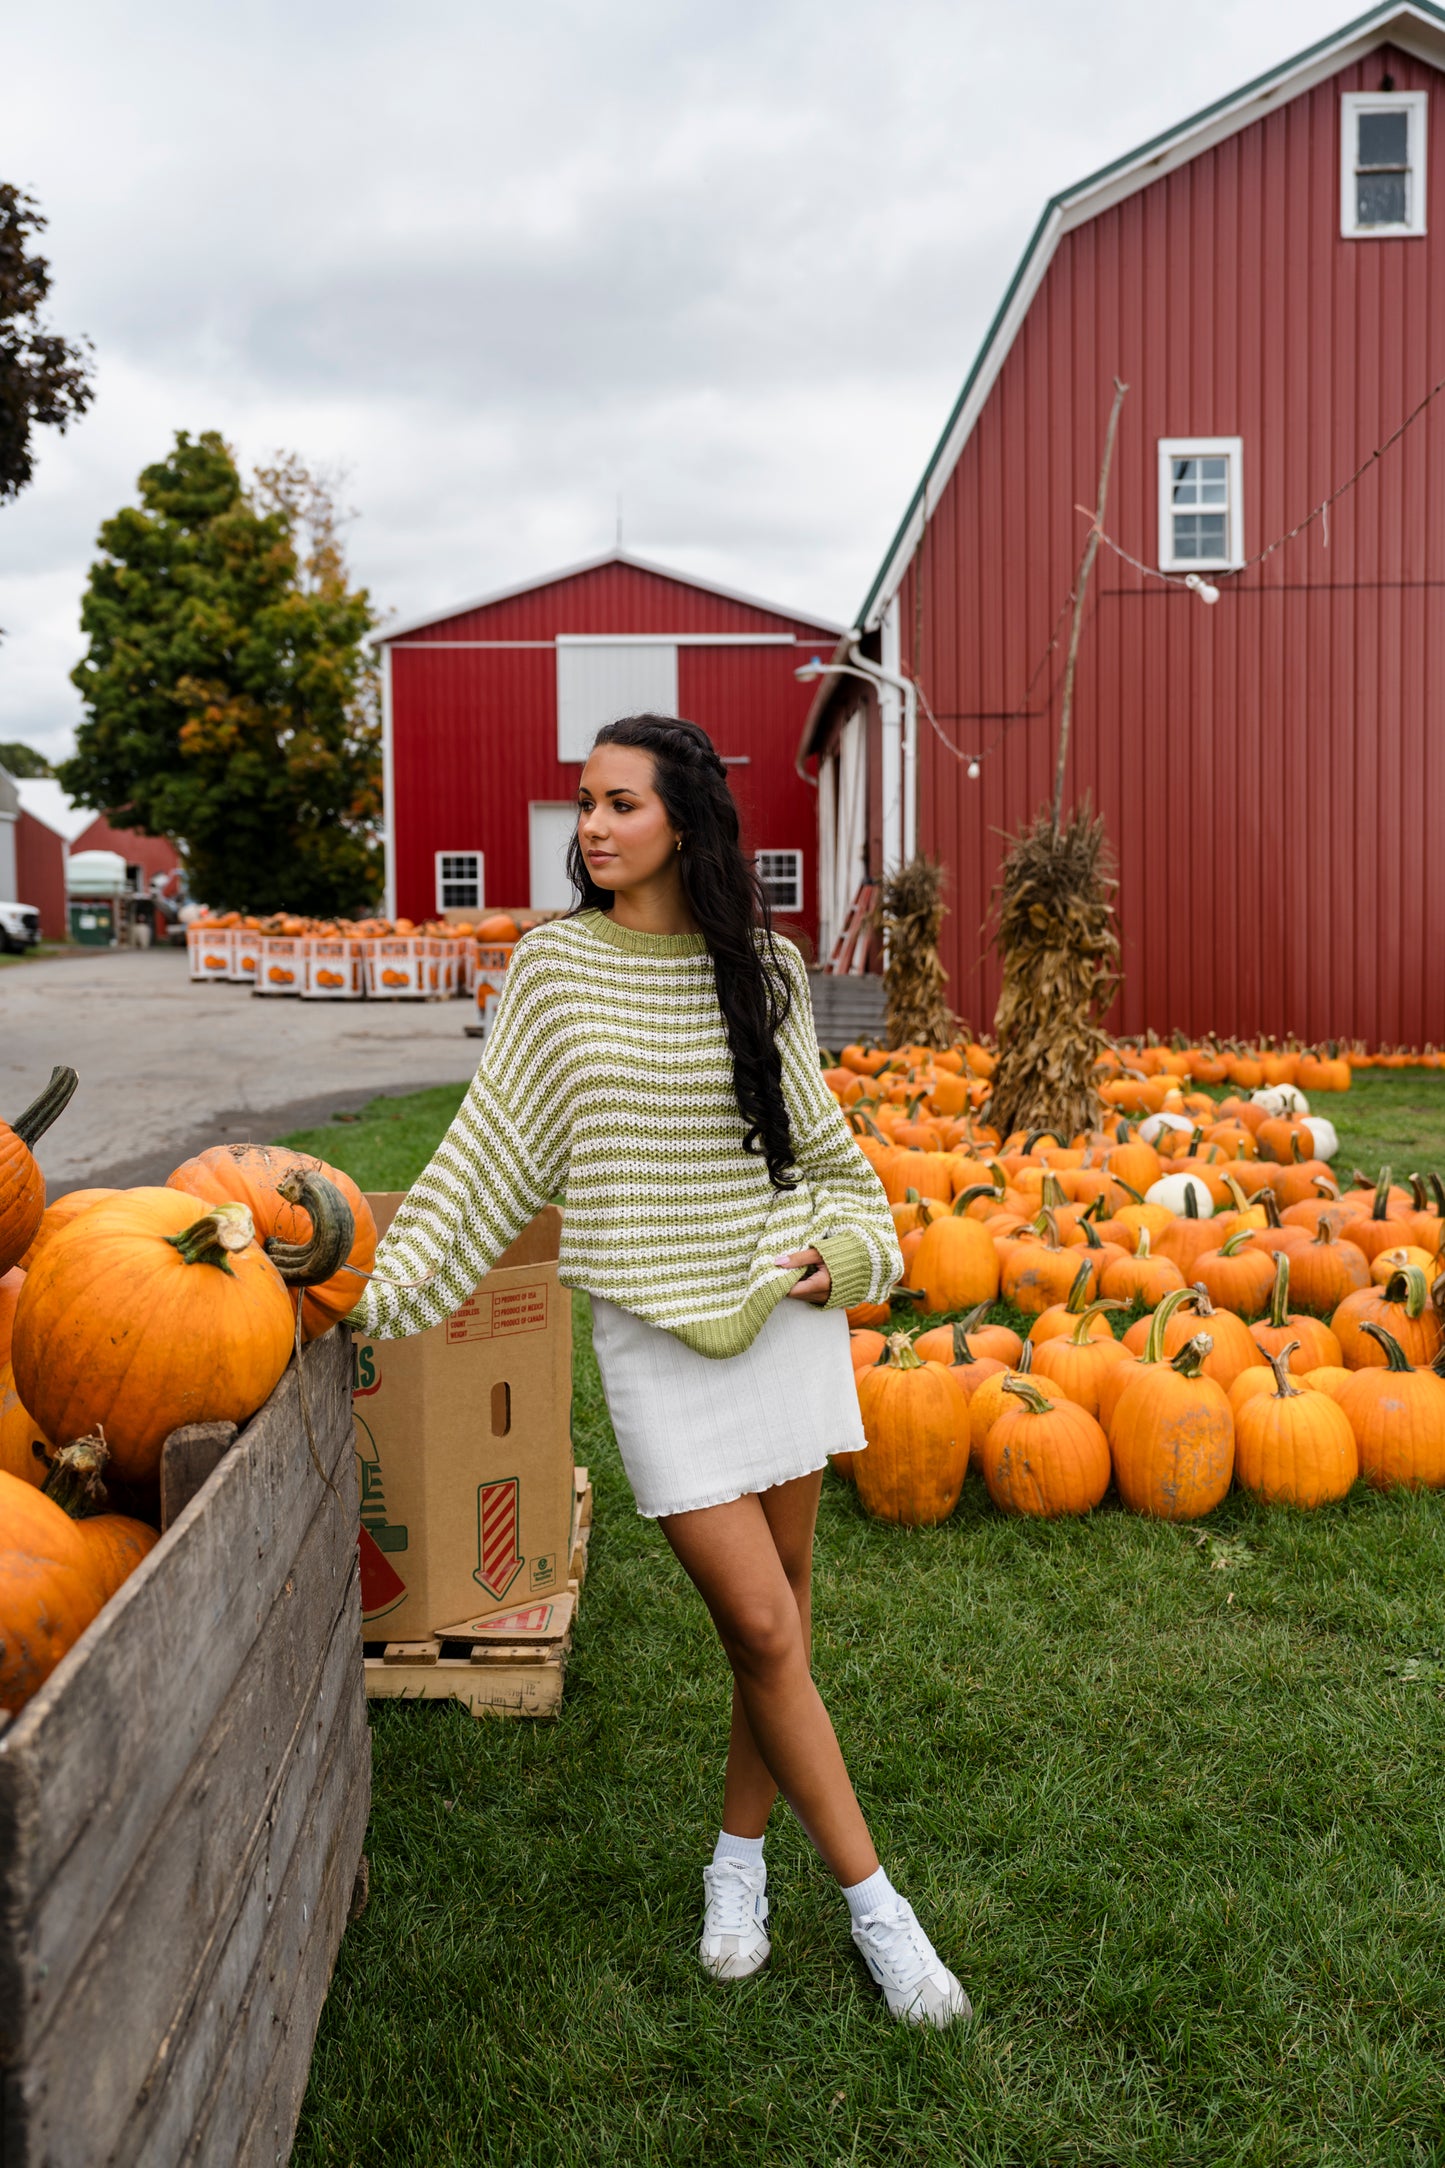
(654,1054)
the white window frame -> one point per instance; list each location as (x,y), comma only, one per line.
(441,858)
(790,910)
(1415,103)
(1172,448)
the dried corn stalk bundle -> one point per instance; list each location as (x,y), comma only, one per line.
(1054,929)
(910,913)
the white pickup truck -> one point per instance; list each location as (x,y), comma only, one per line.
(19,927)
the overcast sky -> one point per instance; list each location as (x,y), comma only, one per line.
(729,261)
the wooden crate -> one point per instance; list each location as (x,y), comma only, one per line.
(182,1810)
(512,1665)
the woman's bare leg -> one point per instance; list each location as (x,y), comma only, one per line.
(746,1563)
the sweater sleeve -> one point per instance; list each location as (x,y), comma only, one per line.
(504,1155)
(852,1228)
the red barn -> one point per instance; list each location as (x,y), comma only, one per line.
(489,710)
(1268,279)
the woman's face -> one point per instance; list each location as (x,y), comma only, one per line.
(622,825)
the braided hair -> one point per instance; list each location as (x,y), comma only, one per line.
(727,901)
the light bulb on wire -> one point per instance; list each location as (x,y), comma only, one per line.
(973,771)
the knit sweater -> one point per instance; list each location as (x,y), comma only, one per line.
(607,1073)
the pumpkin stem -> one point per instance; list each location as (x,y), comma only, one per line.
(962,1352)
(969,1196)
(1193,1355)
(1270,1206)
(208,1240)
(1241,1202)
(1236,1241)
(1036,1137)
(1417,1191)
(1437,1189)
(1395,1357)
(1380,1208)
(333,1230)
(1279,1364)
(1326,1185)
(1086,1318)
(1025,1362)
(1279,1297)
(1141,1247)
(1410,1286)
(1136,1194)
(1191,1202)
(1051,1191)
(911,1196)
(1079,1292)
(1174,1300)
(1024,1389)
(30,1126)
(74,1481)
(904,1354)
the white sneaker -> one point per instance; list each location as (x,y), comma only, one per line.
(917,1985)
(734,1941)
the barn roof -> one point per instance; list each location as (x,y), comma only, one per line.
(1416,26)
(809,618)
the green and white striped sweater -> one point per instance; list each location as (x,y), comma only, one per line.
(607,1073)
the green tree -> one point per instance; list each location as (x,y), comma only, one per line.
(44,380)
(230,696)
(23,759)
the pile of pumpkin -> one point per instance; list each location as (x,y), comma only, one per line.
(125,1314)
(1283,1329)
(498,929)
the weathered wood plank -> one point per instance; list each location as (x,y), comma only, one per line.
(88,1769)
(91,2088)
(188,1457)
(318,1820)
(263,2078)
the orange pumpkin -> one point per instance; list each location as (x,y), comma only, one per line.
(24,1451)
(915,1416)
(1078,1361)
(1059,1320)
(1294,1447)
(1037,1276)
(69,1207)
(48,1594)
(865,1347)
(1398,1416)
(257,1176)
(142,1316)
(956,1265)
(11,1283)
(1403,1307)
(1312,1342)
(1327,1269)
(1379,1226)
(1044,1457)
(1142,1277)
(1172,1437)
(1236,1277)
(113,1544)
(987,1403)
(22,1185)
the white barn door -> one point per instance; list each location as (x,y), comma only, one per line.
(549,833)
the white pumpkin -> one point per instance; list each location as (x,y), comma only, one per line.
(1322,1136)
(1154,1126)
(1172,1190)
(1281,1099)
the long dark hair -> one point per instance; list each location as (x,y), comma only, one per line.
(727,900)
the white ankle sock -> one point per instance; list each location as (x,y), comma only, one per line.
(747,1851)
(865,1897)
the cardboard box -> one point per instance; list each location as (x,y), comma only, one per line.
(464,1449)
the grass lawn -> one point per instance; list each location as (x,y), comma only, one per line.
(1170,1804)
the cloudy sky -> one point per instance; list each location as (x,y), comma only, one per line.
(504,264)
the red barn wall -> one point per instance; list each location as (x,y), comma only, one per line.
(153,854)
(40,874)
(1269,773)
(474,730)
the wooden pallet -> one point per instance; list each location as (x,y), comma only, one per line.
(511,1665)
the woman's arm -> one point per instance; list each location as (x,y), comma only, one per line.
(852,1228)
(493,1170)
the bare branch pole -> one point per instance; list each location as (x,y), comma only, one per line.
(1091,552)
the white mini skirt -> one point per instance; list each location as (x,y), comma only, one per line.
(697,1430)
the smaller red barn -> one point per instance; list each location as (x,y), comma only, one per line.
(490,708)
(40,854)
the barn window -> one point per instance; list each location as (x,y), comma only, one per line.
(1382,163)
(1201,503)
(459,880)
(781,873)
(599,680)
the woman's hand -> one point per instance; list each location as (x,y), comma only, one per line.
(815,1286)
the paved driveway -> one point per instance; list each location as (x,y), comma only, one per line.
(166,1067)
